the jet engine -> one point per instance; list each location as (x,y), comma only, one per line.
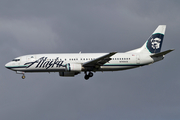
(73,67)
(71,70)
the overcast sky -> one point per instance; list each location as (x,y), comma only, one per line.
(69,26)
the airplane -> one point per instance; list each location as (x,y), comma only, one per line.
(69,65)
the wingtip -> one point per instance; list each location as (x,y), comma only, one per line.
(114,52)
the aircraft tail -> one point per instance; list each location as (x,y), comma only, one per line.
(154,43)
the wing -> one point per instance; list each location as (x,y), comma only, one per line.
(99,61)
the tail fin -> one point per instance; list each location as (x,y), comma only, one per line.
(154,43)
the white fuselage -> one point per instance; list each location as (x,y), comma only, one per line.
(56,62)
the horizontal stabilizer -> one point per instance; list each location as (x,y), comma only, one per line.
(162,53)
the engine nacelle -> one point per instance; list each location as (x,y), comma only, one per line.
(73,67)
(67,74)
(71,70)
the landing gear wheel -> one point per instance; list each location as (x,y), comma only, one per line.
(23,77)
(86,77)
(90,74)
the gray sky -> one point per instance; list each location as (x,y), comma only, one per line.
(58,26)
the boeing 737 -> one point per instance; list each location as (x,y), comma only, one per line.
(69,65)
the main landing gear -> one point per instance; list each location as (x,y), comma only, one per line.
(87,76)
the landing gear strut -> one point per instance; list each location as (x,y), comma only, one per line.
(87,76)
(23,76)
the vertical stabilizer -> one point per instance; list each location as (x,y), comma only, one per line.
(154,43)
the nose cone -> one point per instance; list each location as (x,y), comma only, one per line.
(8,65)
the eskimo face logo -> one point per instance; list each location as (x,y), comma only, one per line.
(155,43)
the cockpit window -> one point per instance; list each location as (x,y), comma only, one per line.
(16,60)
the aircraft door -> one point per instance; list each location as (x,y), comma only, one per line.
(23,60)
(138,59)
(31,58)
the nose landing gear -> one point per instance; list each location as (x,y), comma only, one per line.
(87,76)
(23,75)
